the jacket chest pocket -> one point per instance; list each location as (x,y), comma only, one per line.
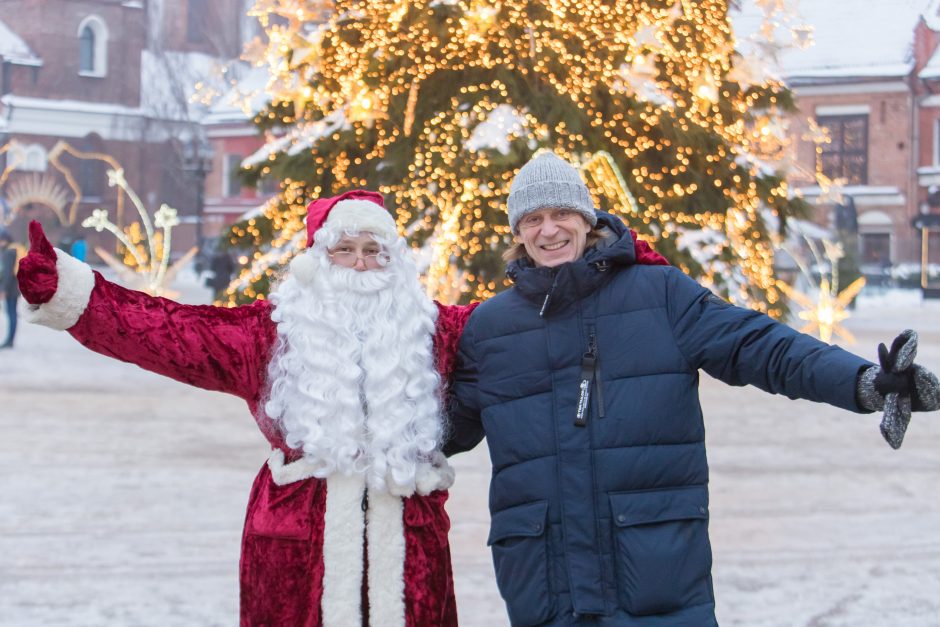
(663,556)
(520,554)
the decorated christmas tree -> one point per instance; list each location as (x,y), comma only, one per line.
(438,103)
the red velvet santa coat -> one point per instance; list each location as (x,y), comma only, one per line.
(302,541)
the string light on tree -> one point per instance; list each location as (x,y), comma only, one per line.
(645,81)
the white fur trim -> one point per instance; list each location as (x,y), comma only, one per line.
(434,475)
(282,473)
(362,215)
(343,526)
(386,534)
(76,281)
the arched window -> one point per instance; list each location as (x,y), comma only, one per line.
(35,158)
(92,47)
(86,50)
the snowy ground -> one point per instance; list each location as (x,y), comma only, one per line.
(122,497)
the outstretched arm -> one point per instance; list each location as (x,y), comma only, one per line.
(209,347)
(740,346)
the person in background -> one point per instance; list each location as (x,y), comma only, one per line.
(584,376)
(79,247)
(9,290)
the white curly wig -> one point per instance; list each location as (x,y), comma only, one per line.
(352,381)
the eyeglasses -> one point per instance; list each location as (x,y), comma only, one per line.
(536,218)
(346,256)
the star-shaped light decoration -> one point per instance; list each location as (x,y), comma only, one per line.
(826,314)
(149,269)
(705,89)
(803,36)
(747,72)
(648,36)
(639,77)
(398,13)
(830,308)
(479,19)
(773,6)
(830,190)
(166,217)
(364,105)
(98,220)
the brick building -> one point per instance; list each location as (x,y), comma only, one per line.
(872,81)
(113,77)
(233,137)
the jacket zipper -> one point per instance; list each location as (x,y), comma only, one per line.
(592,348)
(548,297)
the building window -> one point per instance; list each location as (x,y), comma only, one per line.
(27,157)
(846,156)
(197,21)
(875,249)
(268,186)
(89,179)
(933,246)
(86,50)
(936,142)
(233,184)
(92,47)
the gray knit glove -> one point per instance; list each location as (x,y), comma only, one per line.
(898,386)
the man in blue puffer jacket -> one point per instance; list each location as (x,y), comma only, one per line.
(584,379)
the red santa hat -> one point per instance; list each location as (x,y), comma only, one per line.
(357,210)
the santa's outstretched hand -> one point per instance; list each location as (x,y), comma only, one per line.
(37,275)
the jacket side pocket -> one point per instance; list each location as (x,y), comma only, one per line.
(661,548)
(520,555)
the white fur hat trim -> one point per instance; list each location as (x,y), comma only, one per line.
(362,215)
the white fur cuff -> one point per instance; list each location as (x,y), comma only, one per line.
(434,475)
(282,473)
(76,281)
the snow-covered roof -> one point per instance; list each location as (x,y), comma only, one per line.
(852,38)
(14,49)
(932,15)
(932,69)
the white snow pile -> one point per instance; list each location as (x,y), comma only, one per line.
(496,132)
(298,138)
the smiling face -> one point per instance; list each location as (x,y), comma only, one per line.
(553,236)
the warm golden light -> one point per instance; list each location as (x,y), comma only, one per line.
(437,103)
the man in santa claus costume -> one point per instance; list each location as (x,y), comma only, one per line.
(342,369)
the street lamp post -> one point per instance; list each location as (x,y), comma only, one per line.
(197,160)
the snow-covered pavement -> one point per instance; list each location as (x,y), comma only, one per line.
(122,497)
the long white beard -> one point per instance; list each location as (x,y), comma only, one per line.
(352,381)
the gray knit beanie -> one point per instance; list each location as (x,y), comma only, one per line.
(548,181)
